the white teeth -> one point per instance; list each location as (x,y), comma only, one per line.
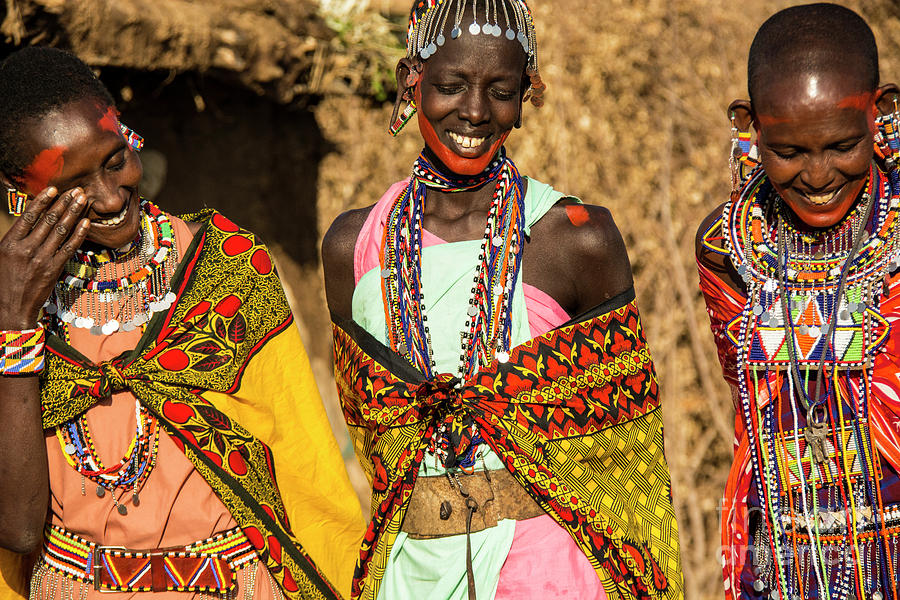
(115,220)
(466,142)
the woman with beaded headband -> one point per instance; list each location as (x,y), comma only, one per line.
(488,351)
(145,360)
(799,271)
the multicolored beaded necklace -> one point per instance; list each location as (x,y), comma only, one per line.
(119,290)
(131,471)
(814,301)
(487,333)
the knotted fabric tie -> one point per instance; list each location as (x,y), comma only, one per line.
(453,425)
(111,380)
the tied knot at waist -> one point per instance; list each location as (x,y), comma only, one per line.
(111,380)
(442,396)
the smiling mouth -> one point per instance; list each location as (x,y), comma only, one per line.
(822,199)
(116,220)
(466,141)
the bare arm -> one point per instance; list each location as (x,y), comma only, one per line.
(717,263)
(338,247)
(32,255)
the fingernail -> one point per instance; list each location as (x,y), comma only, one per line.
(51,191)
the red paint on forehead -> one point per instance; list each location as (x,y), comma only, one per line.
(109,120)
(860,101)
(769,120)
(45,166)
(578,214)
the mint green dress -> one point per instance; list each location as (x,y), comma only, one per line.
(436,568)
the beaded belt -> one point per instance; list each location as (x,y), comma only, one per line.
(205,566)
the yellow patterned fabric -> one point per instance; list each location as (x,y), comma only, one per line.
(574,415)
(226,373)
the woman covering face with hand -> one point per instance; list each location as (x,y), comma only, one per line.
(489,354)
(150,369)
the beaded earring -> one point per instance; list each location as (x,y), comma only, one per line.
(887,137)
(398,122)
(135,141)
(15,201)
(743,155)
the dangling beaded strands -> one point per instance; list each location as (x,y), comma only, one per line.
(487,330)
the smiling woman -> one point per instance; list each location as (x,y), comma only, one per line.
(453,300)
(143,420)
(799,271)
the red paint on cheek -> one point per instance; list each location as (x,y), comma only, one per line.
(578,214)
(456,163)
(45,166)
(109,120)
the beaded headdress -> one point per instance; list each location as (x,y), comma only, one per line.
(510,18)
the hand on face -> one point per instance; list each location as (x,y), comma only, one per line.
(469,98)
(78,149)
(816,144)
(34,250)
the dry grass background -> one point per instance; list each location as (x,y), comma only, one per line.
(635,121)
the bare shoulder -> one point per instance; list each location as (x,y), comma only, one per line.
(338,246)
(701,247)
(582,242)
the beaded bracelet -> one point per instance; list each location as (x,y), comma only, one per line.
(22,351)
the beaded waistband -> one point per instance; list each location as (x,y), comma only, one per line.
(205,566)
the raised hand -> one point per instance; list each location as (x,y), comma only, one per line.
(34,250)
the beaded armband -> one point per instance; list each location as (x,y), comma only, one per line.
(22,351)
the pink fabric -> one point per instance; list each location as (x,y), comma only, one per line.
(543,561)
(177,506)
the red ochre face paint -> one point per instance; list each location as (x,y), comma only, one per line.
(578,214)
(109,120)
(45,166)
(860,101)
(456,163)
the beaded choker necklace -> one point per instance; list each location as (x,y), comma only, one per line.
(487,331)
(119,290)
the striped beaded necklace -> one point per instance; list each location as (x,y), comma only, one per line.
(487,332)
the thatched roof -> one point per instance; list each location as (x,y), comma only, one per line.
(283,48)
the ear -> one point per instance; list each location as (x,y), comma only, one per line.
(885,98)
(408,73)
(743,114)
(7,183)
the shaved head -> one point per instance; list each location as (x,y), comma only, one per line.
(814,40)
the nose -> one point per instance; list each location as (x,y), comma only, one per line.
(476,107)
(817,174)
(104,196)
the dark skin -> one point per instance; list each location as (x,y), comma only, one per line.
(471,95)
(815,138)
(99,205)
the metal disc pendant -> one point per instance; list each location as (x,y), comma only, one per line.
(472,311)
(497,241)
(50,309)
(96,330)
(101,491)
(502,357)
(70,449)
(170,297)
(123,510)
(876,595)
(474,29)
(110,327)
(431,49)
(522,39)
(510,34)
(804,329)
(758,585)
(454,33)
(385,273)
(135,499)
(497,32)
(440,39)
(815,331)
